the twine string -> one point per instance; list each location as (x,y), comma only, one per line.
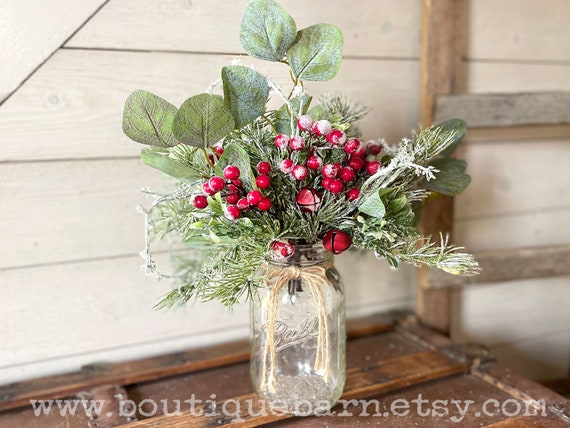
(314,277)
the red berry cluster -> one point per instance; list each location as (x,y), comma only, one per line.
(358,161)
(232,190)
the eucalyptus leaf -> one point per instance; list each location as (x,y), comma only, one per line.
(202,121)
(461,129)
(147,119)
(282,119)
(450,182)
(169,166)
(245,93)
(236,155)
(316,53)
(267,30)
(373,206)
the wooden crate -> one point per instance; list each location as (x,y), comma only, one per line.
(394,365)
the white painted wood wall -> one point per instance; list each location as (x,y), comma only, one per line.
(72,290)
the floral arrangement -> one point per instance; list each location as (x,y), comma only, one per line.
(256,182)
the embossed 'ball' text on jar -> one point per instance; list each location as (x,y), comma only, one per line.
(298,336)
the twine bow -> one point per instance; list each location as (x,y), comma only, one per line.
(314,277)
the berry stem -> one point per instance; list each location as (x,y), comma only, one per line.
(208,157)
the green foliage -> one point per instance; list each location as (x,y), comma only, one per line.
(235,154)
(451,179)
(316,53)
(373,206)
(224,256)
(169,166)
(245,92)
(202,121)
(267,30)
(147,119)
(285,120)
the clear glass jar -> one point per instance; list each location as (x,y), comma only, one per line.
(298,336)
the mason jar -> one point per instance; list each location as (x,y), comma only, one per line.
(298,336)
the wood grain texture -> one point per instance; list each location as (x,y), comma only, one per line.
(501,110)
(361,382)
(96,377)
(534,228)
(501,77)
(76,100)
(511,30)
(376,28)
(518,133)
(31,31)
(508,312)
(440,55)
(514,177)
(511,265)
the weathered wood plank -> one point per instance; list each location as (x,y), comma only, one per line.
(76,100)
(520,388)
(143,370)
(518,133)
(440,54)
(514,177)
(32,31)
(491,315)
(530,422)
(110,413)
(500,110)
(375,28)
(501,77)
(537,227)
(377,378)
(511,30)
(511,265)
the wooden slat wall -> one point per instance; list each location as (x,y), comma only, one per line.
(71,181)
(518,196)
(31,31)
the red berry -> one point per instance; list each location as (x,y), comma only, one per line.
(299,172)
(233,198)
(330,170)
(335,186)
(254,196)
(264,204)
(326,182)
(218,149)
(336,241)
(237,183)
(297,143)
(281,141)
(286,166)
(282,249)
(264,167)
(314,162)
(212,158)
(321,127)
(373,167)
(353,194)
(231,212)
(263,181)
(231,172)
(347,174)
(243,204)
(308,200)
(232,188)
(305,122)
(356,163)
(216,183)
(336,137)
(352,145)
(200,202)
(207,189)
(360,152)
(373,148)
